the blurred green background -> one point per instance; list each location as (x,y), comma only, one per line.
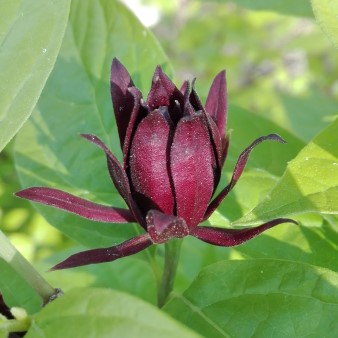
(279,66)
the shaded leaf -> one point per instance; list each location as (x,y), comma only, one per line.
(30,38)
(260,298)
(17,291)
(104,313)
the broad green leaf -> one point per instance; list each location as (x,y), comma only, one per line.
(260,298)
(30,38)
(309,184)
(77,100)
(312,242)
(104,313)
(326,14)
(316,245)
(16,291)
(288,7)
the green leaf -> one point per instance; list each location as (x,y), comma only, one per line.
(77,100)
(326,14)
(104,313)
(16,290)
(260,298)
(310,182)
(115,275)
(30,38)
(245,127)
(288,7)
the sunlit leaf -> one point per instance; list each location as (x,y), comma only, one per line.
(326,14)
(259,298)
(310,182)
(30,37)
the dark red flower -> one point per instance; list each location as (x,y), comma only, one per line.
(173,149)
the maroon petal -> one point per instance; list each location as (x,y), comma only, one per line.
(94,256)
(191,160)
(216,104)
(137,114)
(149,158)
(163,91)
(194,99)
(232,237)
(123,100)
(225,148)
(184,86)
(119,178)
(240,165)
(76,205)
(162,227)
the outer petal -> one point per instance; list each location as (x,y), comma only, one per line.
(123,100)
(119,178)
(232,237)
(102,255)
(191,162)
(240,165)
(137,114)
(149,163)
(76,205)
(163,227)
(216,104)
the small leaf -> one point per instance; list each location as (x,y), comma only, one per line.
(259,298)
(309,184)
(326,14)
(104,313)
(30,38)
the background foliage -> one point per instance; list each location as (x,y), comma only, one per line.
(282,77)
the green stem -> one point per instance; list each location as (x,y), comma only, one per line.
(23,268)
(171,256)
(16,325)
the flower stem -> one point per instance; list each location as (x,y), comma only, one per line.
(23,268)
(171,256)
